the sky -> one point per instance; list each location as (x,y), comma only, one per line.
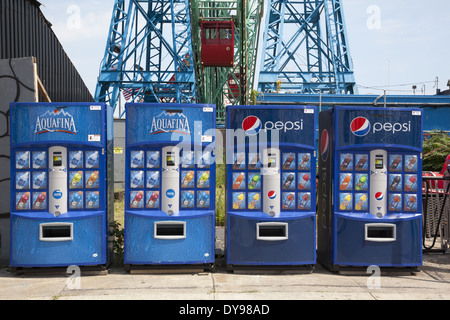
(394,44)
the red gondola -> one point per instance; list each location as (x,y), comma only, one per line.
(217,43)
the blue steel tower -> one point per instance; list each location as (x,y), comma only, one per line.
(305,48)
(149,54)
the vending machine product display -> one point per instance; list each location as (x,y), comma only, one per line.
(370,189)
(271,186)
(62,196)
(170,185)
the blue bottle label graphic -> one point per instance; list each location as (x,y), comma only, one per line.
(39,180)
(153,159)
(203,199)
(137,159)
(23,180)
(76,200)
(23,160)
(92,159)
(153,180)
(137,179)
(92,200)
(76,159)
(40,160)
(187,199)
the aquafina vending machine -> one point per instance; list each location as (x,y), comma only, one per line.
(170,186)
(62,196)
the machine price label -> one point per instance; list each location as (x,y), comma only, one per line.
(417,113)
(208,109)
(309,110)
(96,108)
(94,137)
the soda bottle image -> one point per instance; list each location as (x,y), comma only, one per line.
(305,160)
(303,202)
(394,203)
(187,179)
(203,180)
(39,201)
(238,181)
(254,202)
(40,179)
(287,183)
(153,159)
(346,162)
(22,183)
(136,161)
(288,201)
(411,201)
(76,159)
(303,182)
(361,182)
(288,162)
(345,182)
(345,203)
(92,179)
(76,179)
(203,199)
(238,202)
(410,165)
(151,202)
(410,183)
(92,199)
(239,160)
(22,161)
(153,180)
(187,199)
(362,161)
(136,180)
(76,199)
(92,159)
(137,199)
(397,160)
(187,159)
(254,181)
(395,183)
(253,162)
(39,160)
(361,203)
(23,201)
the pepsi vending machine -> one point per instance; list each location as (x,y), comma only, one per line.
(370,201)
(62,197)
(170,185)
(271,187)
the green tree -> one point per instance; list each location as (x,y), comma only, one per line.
(436,148)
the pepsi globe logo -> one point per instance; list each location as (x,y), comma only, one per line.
(324,145)
(379,196)
(272,195)
(360,126)
(251,125)
(170,193)
(57,194)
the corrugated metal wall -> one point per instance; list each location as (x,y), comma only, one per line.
(25,32)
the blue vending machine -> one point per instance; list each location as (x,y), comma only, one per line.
(170,186)
(271,187)
(370,189)
(62,197)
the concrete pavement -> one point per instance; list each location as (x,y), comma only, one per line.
(432,282)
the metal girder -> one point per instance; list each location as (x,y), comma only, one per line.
(149,53)
(298,57)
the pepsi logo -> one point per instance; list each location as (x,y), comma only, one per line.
(251,125)
(360,126)
(170,193)
(57,194)
(379,196)
(324,145)
(272,195)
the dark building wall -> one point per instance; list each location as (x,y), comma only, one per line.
(25,32)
